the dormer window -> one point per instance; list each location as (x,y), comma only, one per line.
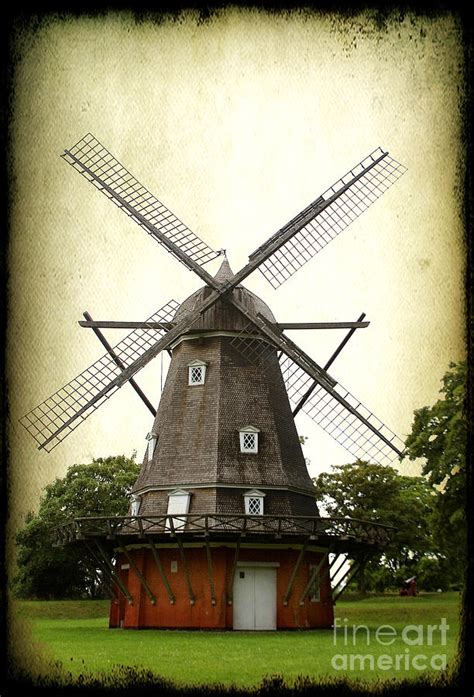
(249,439)
(135,505)
(196,372)
(152,439)
(178,504)
(254,502)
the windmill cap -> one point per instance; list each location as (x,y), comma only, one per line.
(223,314)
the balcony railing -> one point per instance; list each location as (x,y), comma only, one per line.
(319,529)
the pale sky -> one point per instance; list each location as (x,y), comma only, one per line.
(236,125)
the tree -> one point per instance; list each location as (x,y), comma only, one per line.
(378,493)
(439,434)
(99,488)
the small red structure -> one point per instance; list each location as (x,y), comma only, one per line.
(409,587)
(247,595)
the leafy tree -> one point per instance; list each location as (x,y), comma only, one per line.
(99,488)
(378,493)
(439,434)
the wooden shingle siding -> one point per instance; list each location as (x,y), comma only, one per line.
(198,426)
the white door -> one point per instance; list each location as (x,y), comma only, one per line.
(254,598)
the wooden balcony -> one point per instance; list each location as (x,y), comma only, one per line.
(337,533)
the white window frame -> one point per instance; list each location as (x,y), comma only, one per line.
(178,504)
(246,431)
(152,439)
(135,503)
(253,495)
(194,366)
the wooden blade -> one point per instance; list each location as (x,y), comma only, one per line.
(91,159)
(331,406)
(322,325)
(57,416)
(307,233)
(60,413)
(105,324)
(342,416)
(108,324)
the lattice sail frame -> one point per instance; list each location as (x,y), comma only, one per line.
(331,221)
(323,408)
(46,418)
(360,189)
(339,422)
(91,159)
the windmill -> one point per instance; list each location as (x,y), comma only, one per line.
(223,466)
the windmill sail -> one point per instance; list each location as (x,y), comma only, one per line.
(380,445)
(50,417)
(91,159)
(330,405)
(329,215)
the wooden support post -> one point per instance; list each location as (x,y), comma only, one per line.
(192,599)
(158,563)
(104,581)
(230,590)
(328,574)
(119,363)
(139,575)
(101,324)
(115,577)
(210,572)
(140,527)
(291,325)
(103,567)
(312,578)
(353,571)
(311,389)
(278,532)
(293,574)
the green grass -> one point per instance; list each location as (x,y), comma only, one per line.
(76,634)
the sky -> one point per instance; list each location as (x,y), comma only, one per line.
(236,124)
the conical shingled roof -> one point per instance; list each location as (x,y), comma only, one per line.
(224,273)
(222,315)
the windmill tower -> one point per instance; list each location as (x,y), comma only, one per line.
(223,530)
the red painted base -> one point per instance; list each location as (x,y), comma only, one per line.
(142,613)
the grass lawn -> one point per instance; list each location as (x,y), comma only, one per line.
(76,634)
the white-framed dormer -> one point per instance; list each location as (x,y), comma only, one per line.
(253,501)
(152,439)
(135,502)
(248,436)
(178,504)
(197,372)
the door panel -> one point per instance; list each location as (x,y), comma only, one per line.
(255,598)
(265,598)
